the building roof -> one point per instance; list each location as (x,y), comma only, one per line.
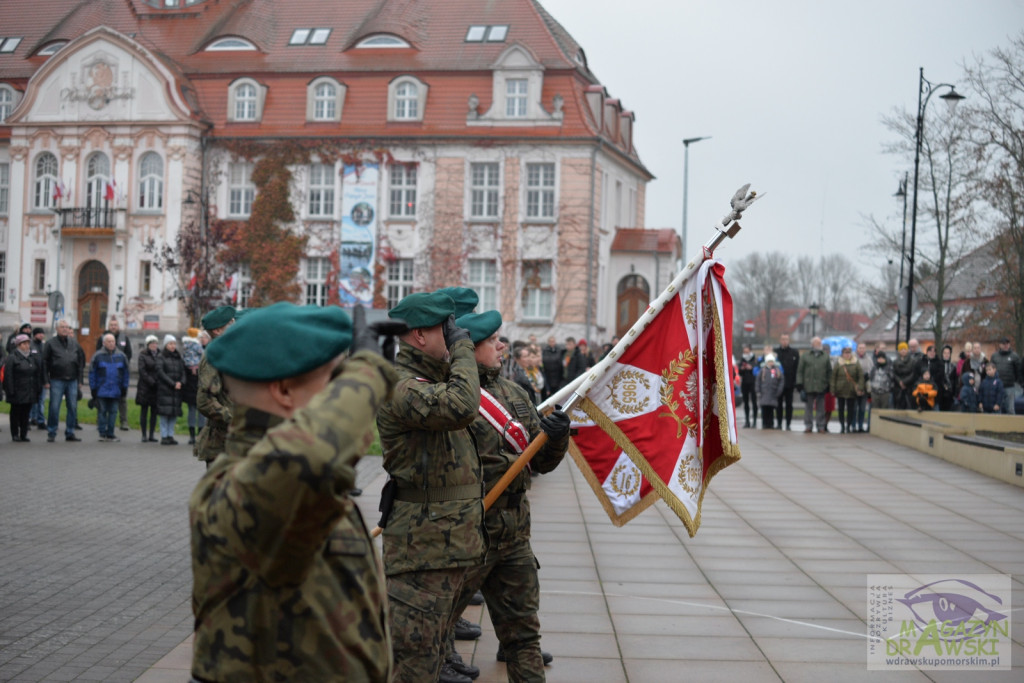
(664,240)
(439,54)
(788,320)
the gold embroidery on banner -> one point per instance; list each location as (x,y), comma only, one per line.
(687,360)
(690,310)
(687,474)
(625,480)
(625,392)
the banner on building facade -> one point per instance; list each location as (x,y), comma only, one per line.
(358,234)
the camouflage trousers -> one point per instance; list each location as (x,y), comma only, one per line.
(421,606)
(508,579)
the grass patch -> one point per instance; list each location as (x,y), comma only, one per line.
(87,415)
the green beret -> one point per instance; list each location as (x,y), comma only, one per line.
(465,299)
(480,325)
(239,314)
(423,309)
(280,341)
(218,317)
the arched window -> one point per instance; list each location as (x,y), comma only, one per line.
(97,175)
(151,182)
(406,101)
(7,101)
(325,98)
(230,44)
(245,102)
(46,181)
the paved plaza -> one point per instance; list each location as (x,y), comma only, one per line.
(95,574)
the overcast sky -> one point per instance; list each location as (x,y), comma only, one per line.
(792,93)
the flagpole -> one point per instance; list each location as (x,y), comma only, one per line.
(727,227)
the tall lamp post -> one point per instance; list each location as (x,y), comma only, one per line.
(902,192)
(686,185)
(925,91)
(814,308)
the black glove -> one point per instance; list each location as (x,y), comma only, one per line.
(364,338)
(555,424)
(452,332)
(124,393)
(800,388)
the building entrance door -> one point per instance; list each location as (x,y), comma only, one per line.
(93,300)
(631,301)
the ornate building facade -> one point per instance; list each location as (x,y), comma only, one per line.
(425,144)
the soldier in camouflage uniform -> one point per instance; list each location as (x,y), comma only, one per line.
(435,529)
(287,585)
(211,396)
(508,575)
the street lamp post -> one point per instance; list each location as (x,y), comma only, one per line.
(686,185)
(925,91)
(902,192)
(814,308)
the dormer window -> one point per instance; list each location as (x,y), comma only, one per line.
(8,100)
(407,96)
(310,36)
(325,98)
(517,85)
(245,100)
(382,40)
(229,44)
(516,90)
(52,48)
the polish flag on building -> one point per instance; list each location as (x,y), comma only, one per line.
(233,284)
(60,190)
(660,421)
(110,190)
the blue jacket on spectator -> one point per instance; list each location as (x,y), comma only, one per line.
(968,395)
(992,393)
(108,374)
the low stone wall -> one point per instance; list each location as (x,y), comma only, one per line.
(952,437)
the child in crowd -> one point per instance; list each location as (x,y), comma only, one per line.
(968,394)
(992,391)
(769,388)
(925,393)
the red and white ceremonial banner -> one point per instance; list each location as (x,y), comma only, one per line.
(660,422)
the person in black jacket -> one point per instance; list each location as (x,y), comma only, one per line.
(63,370)
(551,360)
(37,416)
(124,345)
(573,361)
(23,380)
(788,358)
(748,386)
(170,370)
(25,329)
(145,392)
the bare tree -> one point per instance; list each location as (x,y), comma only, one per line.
(997,129)
(808,285)
(764,283)
(878,294)
(946,211)
(839,282)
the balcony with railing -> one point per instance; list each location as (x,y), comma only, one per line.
(88,221)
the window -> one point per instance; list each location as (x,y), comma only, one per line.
(316,281)
(39,276)
(46,181)
(145,278)
(382,40)
(407,98)
(229,44)
(515,98)
(483,278)
(403,190)
(52,48)
(406,101)
(399,280)
(9,44)
(151,182)
(245,102)
(97,175)
(3,275)
(540,190)
(321,190)
(241,190)
(538,294)
(309,36)
(324,102)
(5,187)
(243,293)
(7,101)
(483,190)
(490,34)
(496,34)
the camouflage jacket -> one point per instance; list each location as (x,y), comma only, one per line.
(286,583)
(508,520)
(429,453)
(213,401)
